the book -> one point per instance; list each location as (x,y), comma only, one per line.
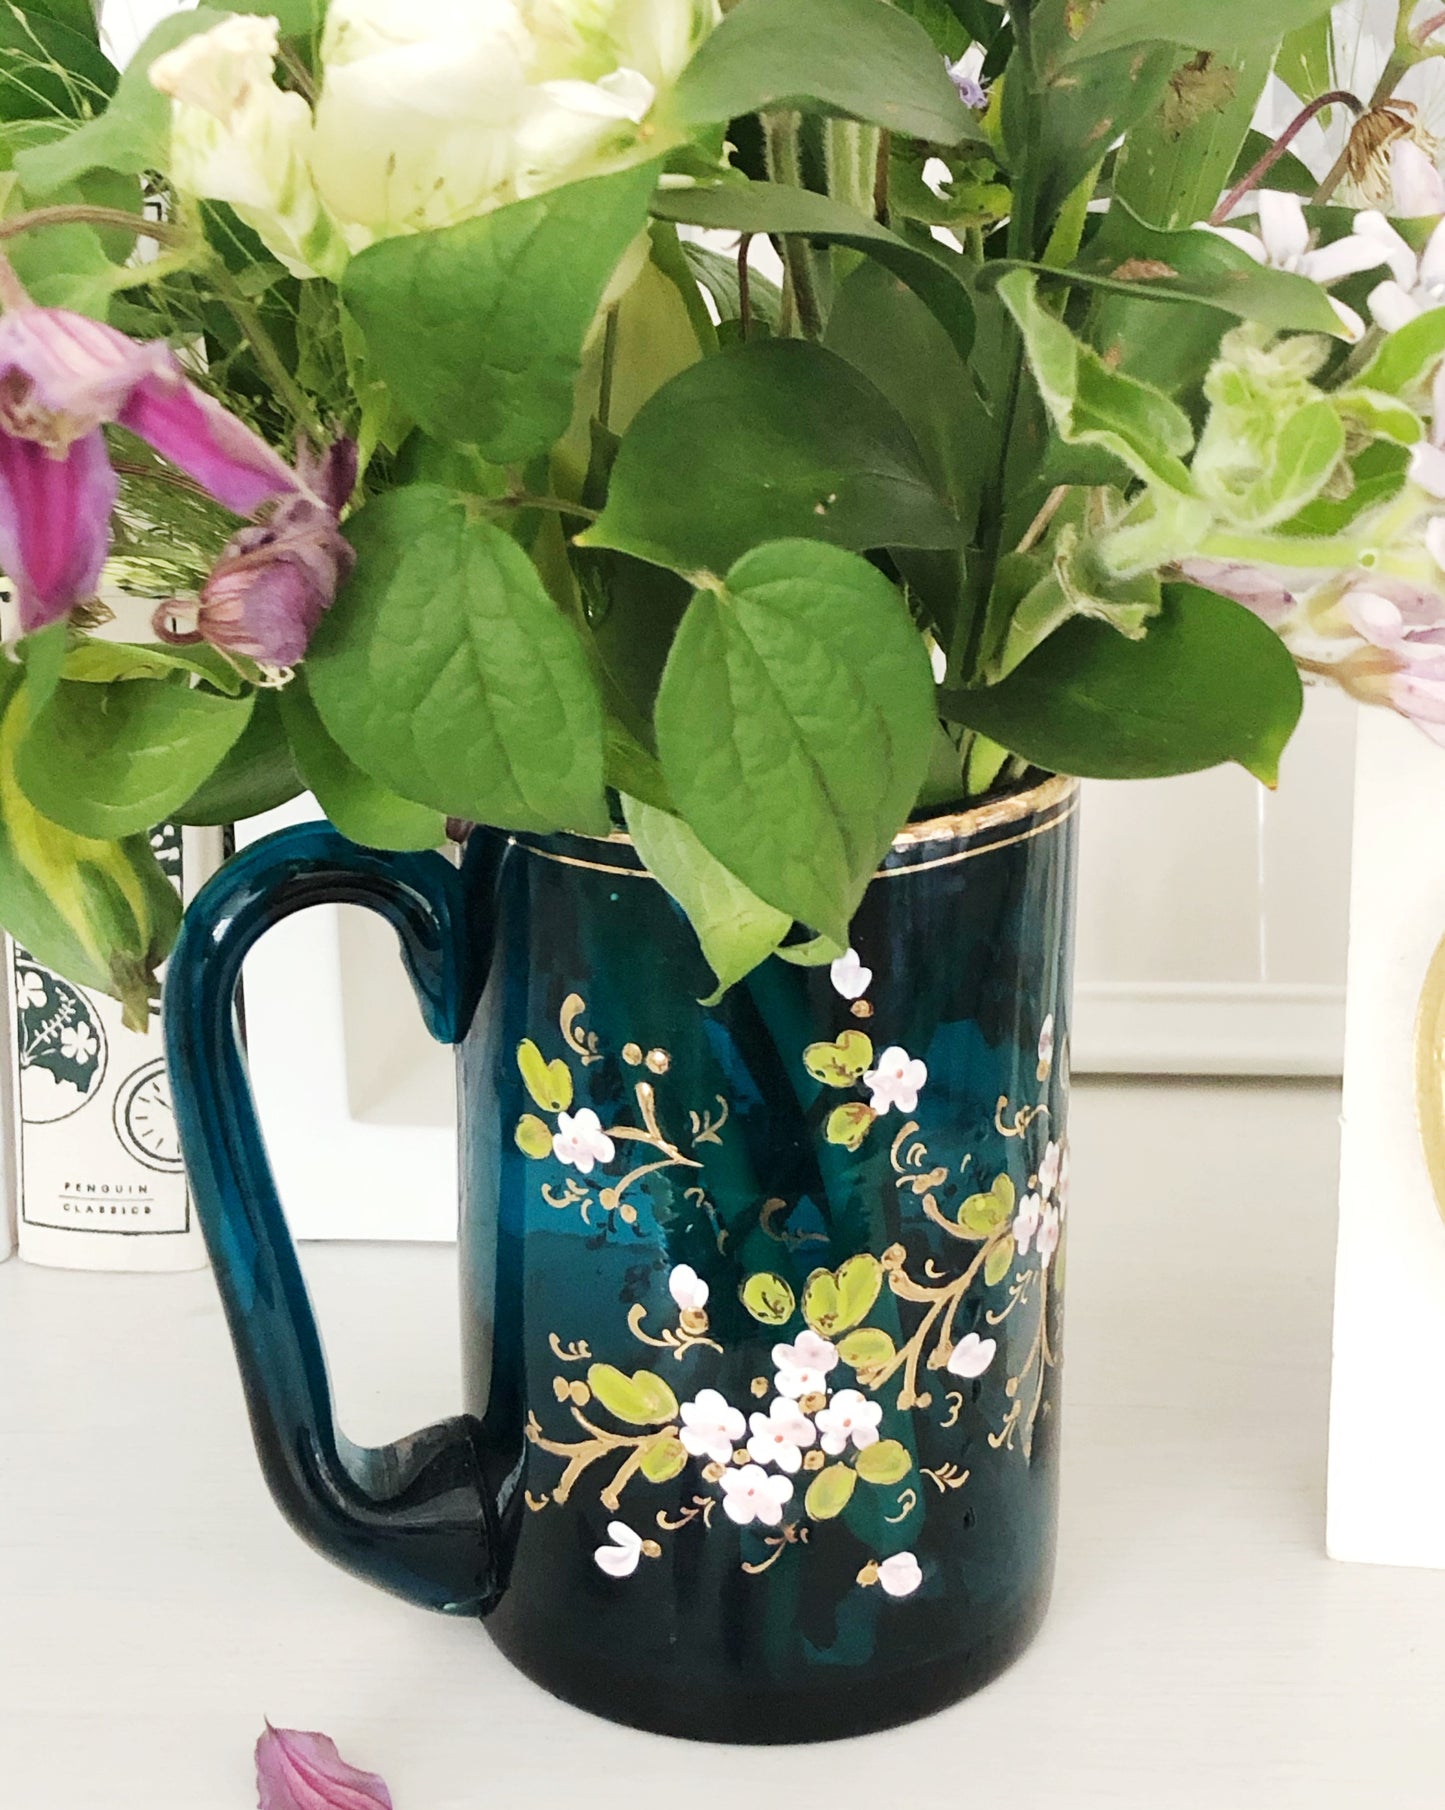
(100,1182)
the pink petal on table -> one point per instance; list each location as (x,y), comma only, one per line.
(298,1771)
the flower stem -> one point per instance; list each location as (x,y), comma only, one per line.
(243,311)
(1337,97)
(1421,34)
(80,214)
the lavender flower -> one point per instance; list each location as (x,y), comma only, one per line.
(296,1771)
(62,378)
(967,77)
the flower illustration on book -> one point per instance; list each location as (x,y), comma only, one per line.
(60,1044)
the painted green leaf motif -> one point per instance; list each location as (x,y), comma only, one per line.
(834,1300)
(839,1064)
(446,621)
(984,1214)
(549,1083)
(851,57)
(642,1399)
(1209,683)
(115,760)
(869,1351)
(830,1492)
(788,442)
(849,1125)
(999,1262)
(885,1462)
(663,1461)
(534,1139)
(768,1299)
(479,329)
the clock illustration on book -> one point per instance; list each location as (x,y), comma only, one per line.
(145,1122)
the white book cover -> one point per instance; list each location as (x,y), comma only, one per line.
(99,1179)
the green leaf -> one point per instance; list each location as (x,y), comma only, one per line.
(1406,357)
(533,1137)
(1175,164)
(445,622)
(795,722)
(985,1214)
(839,1064)
(364,810)
(665,1460)
(549,1083)
(103,662)
(849,1125)
(1066,32)
(859,58)
(784,440)
(297,18)
(479,329)
(768,1299)
(835,1300)
(257,774)
(133,134)
(736,929)
(642,1399)
(1305,63)
(886,1461)
(109,761)
(999,1262)
(830,1492)
(50,64)
(1092,405)
(99,912)
(934,274)
(1208,683)
(1301,457)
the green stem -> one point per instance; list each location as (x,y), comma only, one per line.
(80,214)
(241,310)
(785,166)
(556,504)
(609,368)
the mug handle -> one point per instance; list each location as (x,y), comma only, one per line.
(417,1517)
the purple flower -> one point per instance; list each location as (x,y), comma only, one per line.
(967,77)
(62,378)
(276,579)
(1256,587)
(296,1771)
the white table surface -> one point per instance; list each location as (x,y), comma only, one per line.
(1202,1653)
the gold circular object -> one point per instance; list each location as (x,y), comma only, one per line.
(659,1061)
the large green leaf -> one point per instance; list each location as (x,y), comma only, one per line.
(779,439)
(935,274)
(133,133)
(1092,405)
(794,722)
(1306,59)
(257,775)
(860,58)
(446,671)
(1064,32)
(109,761)
(479,329)
(361,807)
(1208,683)
(736,929)
(50,62)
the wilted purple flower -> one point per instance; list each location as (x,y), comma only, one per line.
(276,579)
(62,378)
(967,77)
(1256,587)
(296,1771)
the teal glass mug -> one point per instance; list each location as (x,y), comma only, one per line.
(761,1299)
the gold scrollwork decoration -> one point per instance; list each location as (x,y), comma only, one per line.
(907,1502)
(691,1333)
(947,1477)
(581,1042)
(578,1352)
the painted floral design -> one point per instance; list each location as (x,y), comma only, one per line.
(1046,1049)
(782,1435)
(897,1081)
(849,1416)
(972,1356)
(851,980)
(580,1140)
(803,1368)
(687,1288)
(1027,1222)
(901,1575)
(751,1494)
(711,1427)
(623,1554)
(1047,1239)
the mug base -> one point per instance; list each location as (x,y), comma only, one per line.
(829,1711)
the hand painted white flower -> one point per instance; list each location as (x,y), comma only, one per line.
(1283,243)
(1063,1194)
(1048,1234)
(780,1435)
(850,978)
(901,1575)
(1046,1047)
(803,1366)
(580,1140)
(896,1081)
(620,1559)
(687,1288)
(1049,1168)
(751,1494)
(77,1042)
(1416,283)
(711,1426)
(971,1356)
(849,1416)
(1026,1222)
(30,991)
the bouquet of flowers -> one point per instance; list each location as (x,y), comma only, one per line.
(755,422)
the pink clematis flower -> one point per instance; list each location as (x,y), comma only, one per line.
(296,1771)
(62,378)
